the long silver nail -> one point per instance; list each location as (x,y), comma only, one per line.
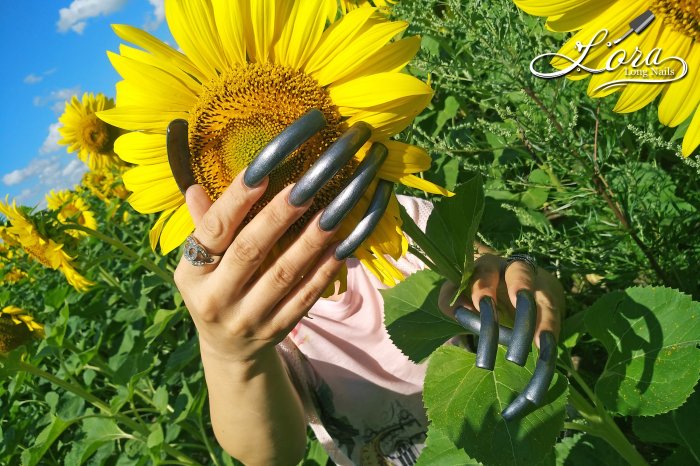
(343,203)
(369,222)
(283,145)
(337,155)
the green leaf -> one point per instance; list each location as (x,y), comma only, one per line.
(315,455)
(466,403)
(446,114)
(163,320)
(33,455)
(651,335)
(160,399)
(155,438)
(587,450)
(439,449)
(679,427)
(412,316)
(453,225)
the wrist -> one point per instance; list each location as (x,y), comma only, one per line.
(241,367)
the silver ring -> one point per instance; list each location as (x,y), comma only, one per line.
(528,259)
(196,254)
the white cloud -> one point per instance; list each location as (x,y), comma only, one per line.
(74,17)
(31,78)
(44,174)
(57,99)
(156,18)
(51,144)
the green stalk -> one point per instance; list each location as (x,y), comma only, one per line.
(99,404)
(147,263)
(599,422)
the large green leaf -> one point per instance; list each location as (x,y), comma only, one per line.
(651,335)
(33,455)
(412,316)
(439,449)
(466,402)
(679,427)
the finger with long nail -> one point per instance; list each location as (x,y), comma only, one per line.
(536,390)
(370,220)
(523,328)
(335,157)
(335,212)
(488,334)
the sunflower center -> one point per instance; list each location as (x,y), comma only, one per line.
(241,111)
(12,335)
(681,15)
(97,135)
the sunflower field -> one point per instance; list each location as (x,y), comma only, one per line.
(99,359)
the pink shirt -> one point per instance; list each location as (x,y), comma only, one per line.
(362,395)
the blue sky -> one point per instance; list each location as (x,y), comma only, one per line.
(53,49)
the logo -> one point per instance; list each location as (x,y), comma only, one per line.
(648,67)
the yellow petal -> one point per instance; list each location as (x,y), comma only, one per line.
(682,98)
(547,8)
(146,175)
(139,118)
(141,148)
(155,232)
(262,26)
(636,96)
(337,37)
(229,16)
(369,40)
(185,78)
(300,33)
(378,90)
(176,229)
(156,197)
(392,57)
(192,25)
(158,48)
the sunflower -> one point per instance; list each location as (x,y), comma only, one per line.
(71,209)
(44,250)
(105,183)
(676,30)
(248,70)
(83,132)
(16,328)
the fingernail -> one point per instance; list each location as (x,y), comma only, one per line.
(488,335)
(343,203)
(518,408)
(369,222)
(337,156)
(537,388)
(178,150)
(283,145)
(523,328)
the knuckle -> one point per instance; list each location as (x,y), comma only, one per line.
(282,275)
(308,296)
(246,251)
(212,224)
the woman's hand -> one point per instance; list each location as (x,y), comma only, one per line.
(534,299)
(239,311)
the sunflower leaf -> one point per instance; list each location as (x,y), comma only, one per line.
(439,449)
(651,335)
(412,316)
(466,402)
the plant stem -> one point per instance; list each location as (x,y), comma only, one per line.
(601,424)
(130,253)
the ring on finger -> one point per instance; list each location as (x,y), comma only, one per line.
(518,257)
(197,255)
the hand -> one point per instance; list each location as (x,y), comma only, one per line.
(238,307)
(535,298)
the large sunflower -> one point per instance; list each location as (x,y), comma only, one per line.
(46,251)
(249,69)
(71,209)
(84,133)
(676,30)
